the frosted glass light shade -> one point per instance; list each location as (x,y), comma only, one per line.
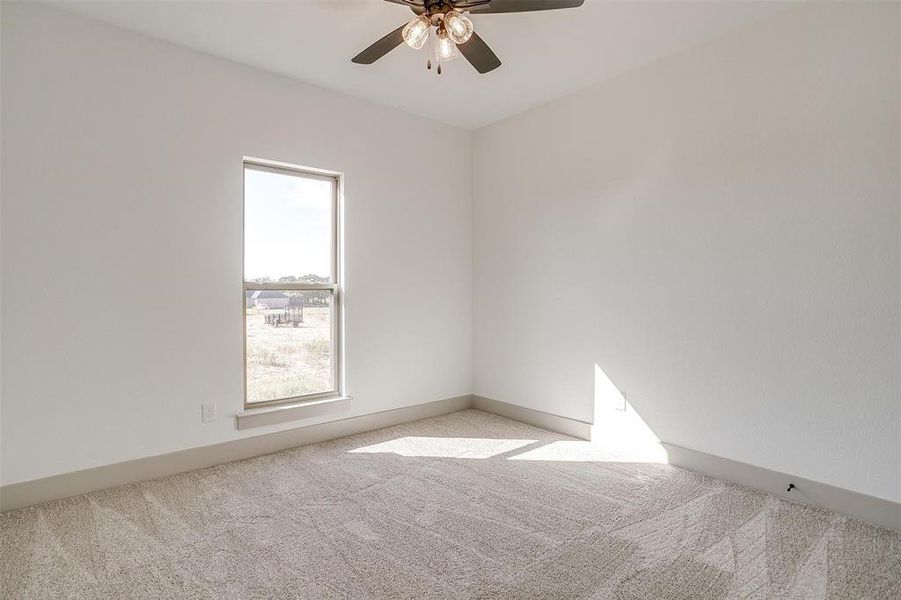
(445,48)
(416,32)
(458,26)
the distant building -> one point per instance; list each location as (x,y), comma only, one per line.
(267,299)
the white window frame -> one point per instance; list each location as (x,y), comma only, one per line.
(334,285)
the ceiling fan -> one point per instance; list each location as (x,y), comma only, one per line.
(453,31)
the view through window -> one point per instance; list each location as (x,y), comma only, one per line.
(290,284)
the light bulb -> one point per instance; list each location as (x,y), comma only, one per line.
(458,26)
(445,48)
(416,32)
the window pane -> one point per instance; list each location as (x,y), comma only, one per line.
(289,343)
(287,226)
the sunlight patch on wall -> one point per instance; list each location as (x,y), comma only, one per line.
(619,432)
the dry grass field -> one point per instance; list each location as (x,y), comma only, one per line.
(286,361)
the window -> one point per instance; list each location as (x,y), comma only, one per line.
(291,293)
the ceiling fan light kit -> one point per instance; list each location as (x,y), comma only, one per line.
(416,32)
(445,48)
(459,26)
(454,33)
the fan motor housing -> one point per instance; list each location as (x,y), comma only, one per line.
(436,9)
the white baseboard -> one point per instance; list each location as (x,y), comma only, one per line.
(878,511)
(26,493)
(579,429)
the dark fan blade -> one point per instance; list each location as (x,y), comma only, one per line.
(417,6)
(380,48)
(508,6)
(479,54)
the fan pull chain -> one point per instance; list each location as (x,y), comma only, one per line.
(439,69)
(428,64)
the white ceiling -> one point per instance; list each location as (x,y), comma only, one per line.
(545,55)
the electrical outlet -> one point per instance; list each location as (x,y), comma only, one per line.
(208,412)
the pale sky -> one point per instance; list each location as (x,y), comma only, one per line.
(287,225)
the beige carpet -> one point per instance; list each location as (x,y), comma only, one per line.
(467,505)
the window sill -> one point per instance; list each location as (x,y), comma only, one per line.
(303,409)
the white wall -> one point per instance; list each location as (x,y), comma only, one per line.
(719,232)
(1,251)
(121,241)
